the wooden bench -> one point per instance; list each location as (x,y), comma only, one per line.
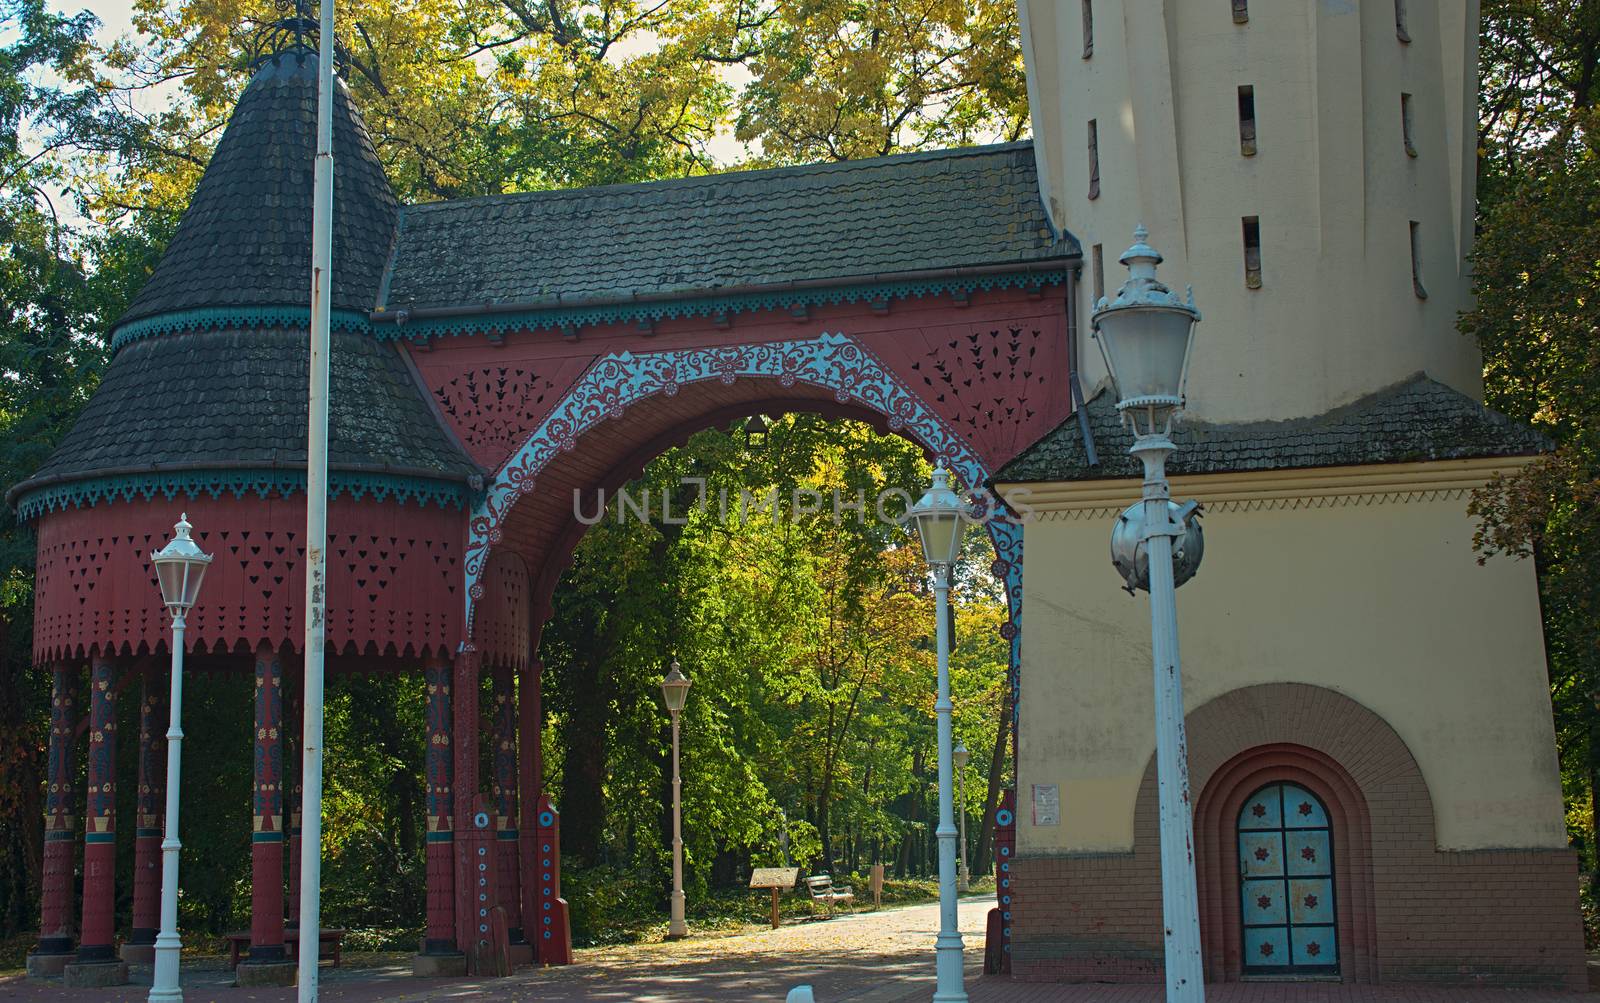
(330,945)
(822,890)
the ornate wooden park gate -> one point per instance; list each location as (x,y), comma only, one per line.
(491,356)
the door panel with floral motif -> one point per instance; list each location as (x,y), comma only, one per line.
(1286,884)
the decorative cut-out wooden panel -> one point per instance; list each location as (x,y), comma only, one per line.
(394,585)
(503,623)
(984,377)
(1000,382)
(493,408)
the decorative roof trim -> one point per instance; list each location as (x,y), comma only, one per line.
(262,482)
(223,318)
(416,328)
(1293,488)
(398,323)
(1430,496)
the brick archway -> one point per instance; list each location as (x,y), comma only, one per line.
(1350,758)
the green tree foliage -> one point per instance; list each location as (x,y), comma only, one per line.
(1537,275)
(840,79)
(56,295)
(488,96)
(810,726)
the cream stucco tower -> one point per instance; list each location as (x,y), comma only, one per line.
(1372,759)
(1337,136)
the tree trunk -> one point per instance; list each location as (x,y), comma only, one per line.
(991,799)
(584,739)
(1593,777)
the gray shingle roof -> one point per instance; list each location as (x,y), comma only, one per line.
(238,399)
(1418,419)
(856,220)
(245,239)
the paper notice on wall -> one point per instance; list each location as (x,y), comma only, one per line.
(1046,804)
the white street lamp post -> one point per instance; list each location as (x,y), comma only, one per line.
(962,758)
(180,567)
(675,691)
(1146,334)
(940,523)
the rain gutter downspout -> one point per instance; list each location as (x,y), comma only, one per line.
(1072,366)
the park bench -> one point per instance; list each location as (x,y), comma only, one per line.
(822,890)
(329,945)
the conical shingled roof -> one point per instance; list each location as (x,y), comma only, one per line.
(245,240)
(230,394)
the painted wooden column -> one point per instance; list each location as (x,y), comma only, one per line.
(464,787)
(440,937)
(530,774)
(149,813)
(266,840)
(505,797)
(98,939)
(551,929)
(1005,850)
(60,830)
(294,728)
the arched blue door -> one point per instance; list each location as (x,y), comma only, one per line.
(1286,884)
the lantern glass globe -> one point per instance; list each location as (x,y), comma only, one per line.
(675,689)
(1146,335)
(180,569)
(756,431)
(1146,350)
(939,521)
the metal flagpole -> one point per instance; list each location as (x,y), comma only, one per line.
(317,518)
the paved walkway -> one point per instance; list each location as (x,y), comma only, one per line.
(884,957)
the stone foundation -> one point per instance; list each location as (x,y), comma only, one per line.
(438,966)
(94,974)
(43,966)
(264,973)
(1499,918)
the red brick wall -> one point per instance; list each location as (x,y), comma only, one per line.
(1406,911)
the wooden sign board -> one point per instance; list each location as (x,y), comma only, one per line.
(777,879)
(774,877)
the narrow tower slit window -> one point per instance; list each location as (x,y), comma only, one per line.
(1247,120)
(1416,261)
(1241,11)
(1252,252)
(1405,125)
(1094,158)
(1088,28)
(1099,264)
(1400,30)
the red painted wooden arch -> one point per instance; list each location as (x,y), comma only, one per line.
(993,369)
